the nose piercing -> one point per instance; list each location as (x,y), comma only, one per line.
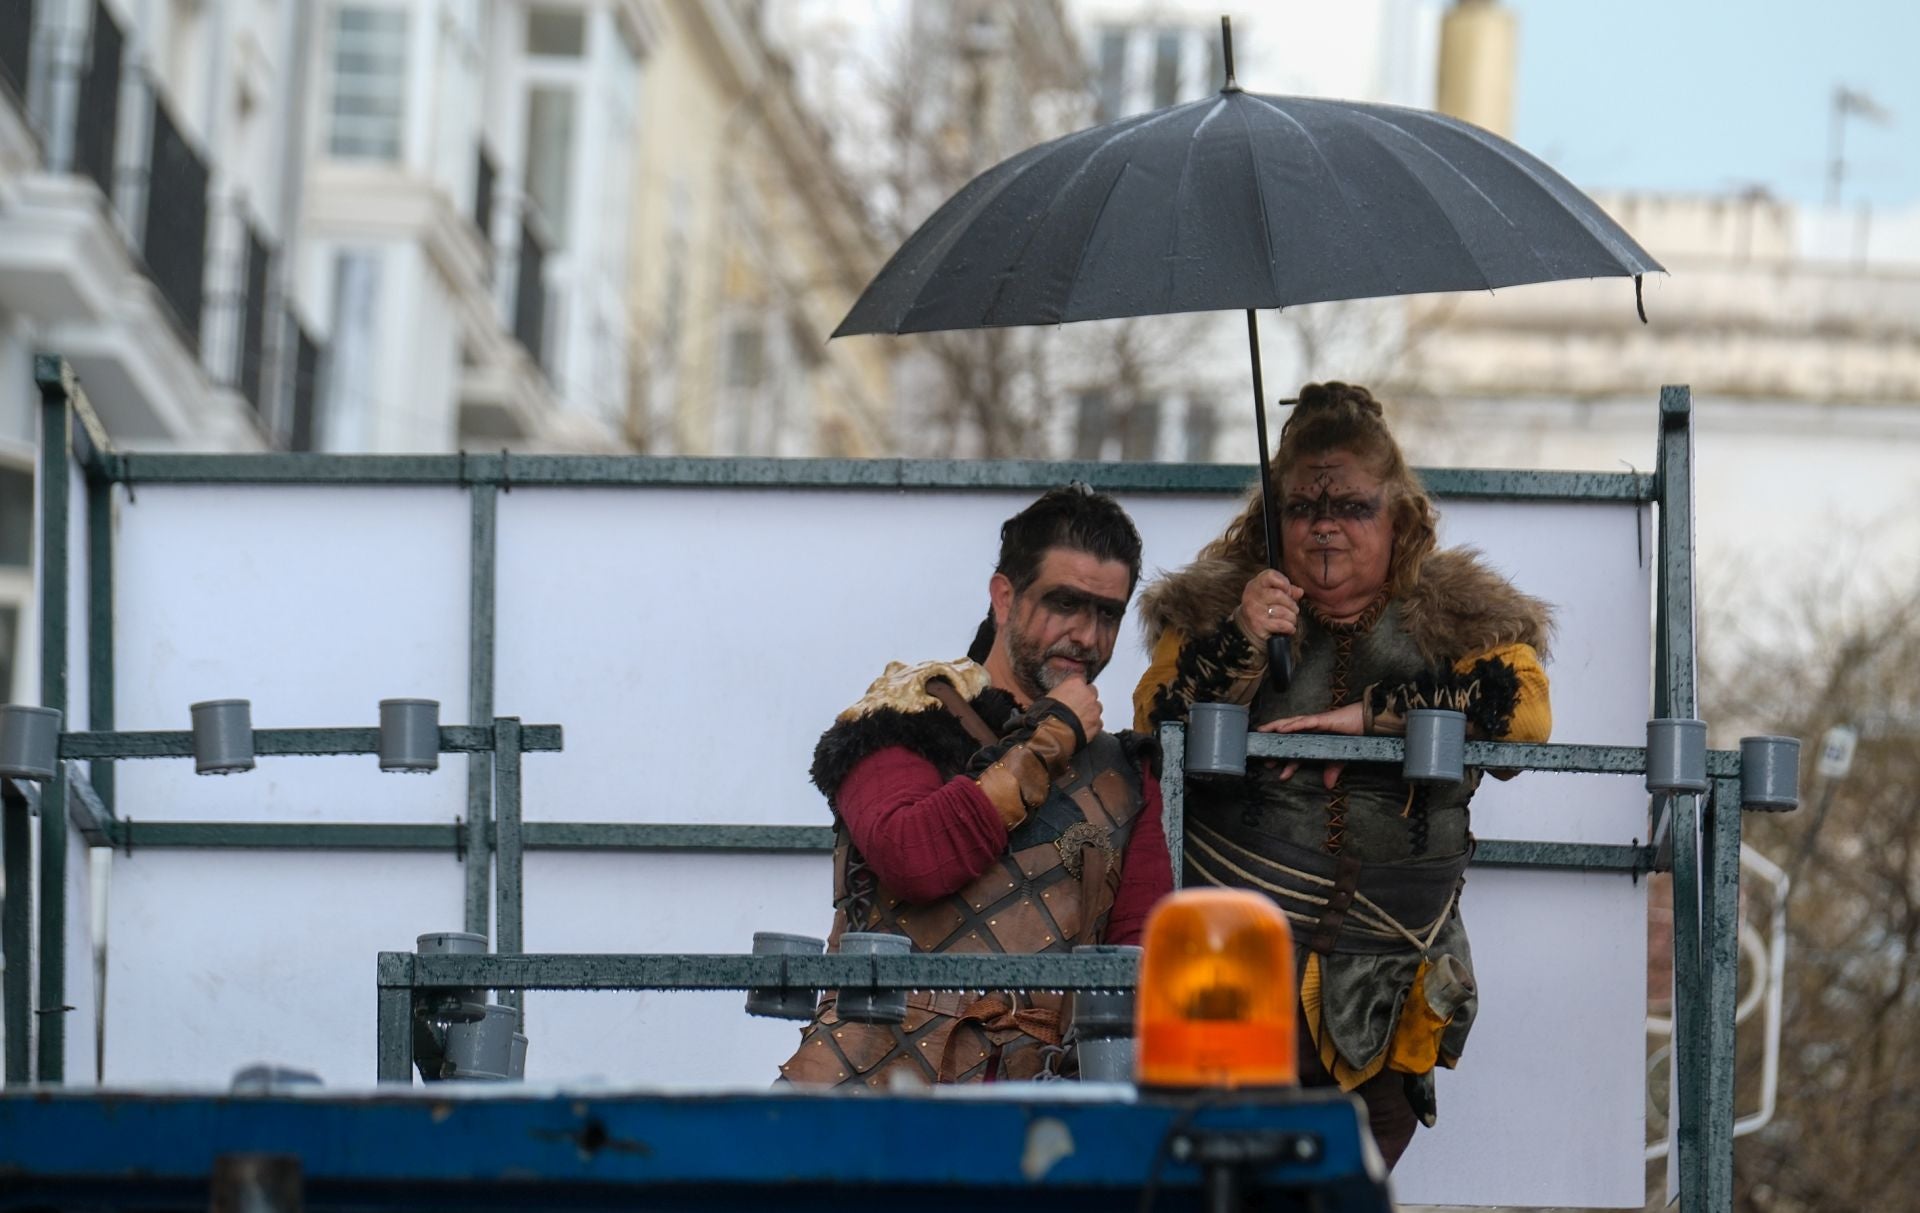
(1323,538)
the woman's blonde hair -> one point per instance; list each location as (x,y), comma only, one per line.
(1341,417)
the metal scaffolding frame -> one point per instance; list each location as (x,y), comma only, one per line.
(1698,836)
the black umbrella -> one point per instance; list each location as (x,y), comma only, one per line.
(1240,201)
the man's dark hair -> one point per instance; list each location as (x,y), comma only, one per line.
(1073,517)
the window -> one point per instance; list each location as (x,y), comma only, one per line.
(746,358)
(550,123)
(1166,68)
(369,82)
(16,518)
(1141,437)
(1202,425)
(556,31)
(1090,425)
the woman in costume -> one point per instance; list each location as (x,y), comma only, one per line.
(1367,867)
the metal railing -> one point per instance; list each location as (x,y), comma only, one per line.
(1703,831)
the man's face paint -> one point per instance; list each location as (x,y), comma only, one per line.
(1064,624)
(1337,536)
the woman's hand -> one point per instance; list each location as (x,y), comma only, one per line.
(1347,721)
(1269,606)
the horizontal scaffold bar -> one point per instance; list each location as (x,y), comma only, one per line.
(721,971)
(641,471)
(278,743)
(1496,755)
(665,837)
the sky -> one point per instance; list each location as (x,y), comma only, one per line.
(1718,95)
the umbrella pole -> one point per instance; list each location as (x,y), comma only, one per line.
(1279,650)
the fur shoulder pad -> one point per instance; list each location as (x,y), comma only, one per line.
(1459,605)
(1195,599)
(1463,605)
(898,711)
(903,687)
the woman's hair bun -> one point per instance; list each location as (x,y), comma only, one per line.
(1333,395)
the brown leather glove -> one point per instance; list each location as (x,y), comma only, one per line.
(1018,780)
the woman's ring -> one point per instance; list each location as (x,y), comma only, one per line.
(1269,612)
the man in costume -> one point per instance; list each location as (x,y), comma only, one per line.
(980,806)
(1367,867)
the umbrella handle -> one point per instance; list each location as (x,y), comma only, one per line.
(1280,662)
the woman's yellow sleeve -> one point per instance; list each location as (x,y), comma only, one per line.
(1160,671)
(1533,711)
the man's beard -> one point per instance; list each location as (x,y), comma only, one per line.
(1030,661)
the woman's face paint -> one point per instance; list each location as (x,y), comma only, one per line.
(1337,535)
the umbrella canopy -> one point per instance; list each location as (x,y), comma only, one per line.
(1242,201)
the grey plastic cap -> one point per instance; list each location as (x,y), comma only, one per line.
(1436,746)
(1676,755)
(453,1006)
(1770,773)
(780,1002)
(1217,741)
(1103,1013)
(873,1006)
(222,736)
(410,735)
(483,1050)
(29,741)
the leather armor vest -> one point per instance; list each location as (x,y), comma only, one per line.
(1335,667)
(1051,889)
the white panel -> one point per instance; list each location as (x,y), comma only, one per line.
(713,636)
(1593,563)
(694,643)
(1548,1107)
(664,903)
(81,986)
(219,959)
(314,603)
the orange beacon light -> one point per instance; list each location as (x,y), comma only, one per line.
(1216,993)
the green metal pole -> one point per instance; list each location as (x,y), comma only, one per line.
(507,848)
(1689,1015)
(1720,949)
(1675,692)
(100,673)
(16,932)
(1173,794)
(393,1033)
(485,498)
(56,445)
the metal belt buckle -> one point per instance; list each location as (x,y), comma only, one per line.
(1073,844)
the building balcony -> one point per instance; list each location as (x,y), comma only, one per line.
(103,238)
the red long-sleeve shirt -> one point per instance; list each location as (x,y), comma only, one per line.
(925,838)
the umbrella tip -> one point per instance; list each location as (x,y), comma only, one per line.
(1226,53)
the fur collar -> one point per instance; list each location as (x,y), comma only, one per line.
(1459,605)
(897,711)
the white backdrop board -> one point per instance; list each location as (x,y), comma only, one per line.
(694,643)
